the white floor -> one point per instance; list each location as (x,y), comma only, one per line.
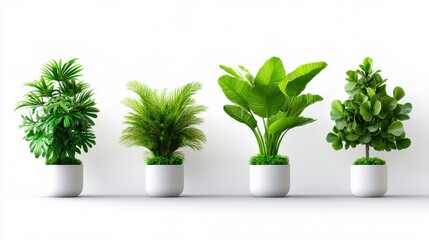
(216,217)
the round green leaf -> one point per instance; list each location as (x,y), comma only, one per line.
(389,103)
(365,138)
(365,111)
(406,108)
(377,108)
(331,137)
(352,137)
(337,110)
(398,93)
(396,128)
(337,144)
(403,143)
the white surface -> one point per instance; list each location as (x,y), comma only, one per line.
(63,180)
(369,180)
(269,180)
(168,43)
(164,180)
(218,217)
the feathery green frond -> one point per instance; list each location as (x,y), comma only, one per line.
(162,121)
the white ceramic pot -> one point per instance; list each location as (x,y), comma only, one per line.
(164,180)
(63,180)
(269,180)
(369,180)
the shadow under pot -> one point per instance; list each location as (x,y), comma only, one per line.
(63,180)
(369,180)
(164,180)
(269,180)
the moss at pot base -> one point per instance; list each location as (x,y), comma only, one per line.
(173,160)
(269,160)
(369,161)
(65,161)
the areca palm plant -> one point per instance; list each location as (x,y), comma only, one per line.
(163,122)
(61,112)
(275,97)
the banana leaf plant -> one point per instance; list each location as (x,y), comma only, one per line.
(273,96)
(370,117)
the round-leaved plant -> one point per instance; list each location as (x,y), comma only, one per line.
(370,117)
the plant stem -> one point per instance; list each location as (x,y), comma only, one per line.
(367,150)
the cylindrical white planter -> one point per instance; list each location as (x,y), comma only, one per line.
(369,180)
(269,180)
(63,180)
(164,180)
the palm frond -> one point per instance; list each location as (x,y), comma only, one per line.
(163,121)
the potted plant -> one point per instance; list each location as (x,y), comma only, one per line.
(276,98)
(163,123)
(59,124)
(372,118)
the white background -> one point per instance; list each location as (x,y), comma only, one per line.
(166,44)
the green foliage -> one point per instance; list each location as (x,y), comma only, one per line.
(61,112)
(163,122)
(272,95)
(173,160)
(269,160)
(369,161)
(370,116)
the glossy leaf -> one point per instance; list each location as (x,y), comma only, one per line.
(271,73)
(297,80)
(240,115)
(237,91)
(265,100)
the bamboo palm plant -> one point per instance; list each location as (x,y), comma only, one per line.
(163,122)
(61,112)
(275,97)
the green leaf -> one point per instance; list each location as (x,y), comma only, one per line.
(365,138)
(358,129)
(374,127)
(403,143)
(370,91)
(389,104)
(285,123)
(240,115)
(340,124)
(294,106)
(398,93)
(237,91)
(66,121)
(350,86)
(365,111)
(247,75)
(265,101)
(271,73)
(337,144)
(376,108)
(352,76)
(396,128)
(406,108)
(331,137)
(296,81)
(352,137)
(337,110)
